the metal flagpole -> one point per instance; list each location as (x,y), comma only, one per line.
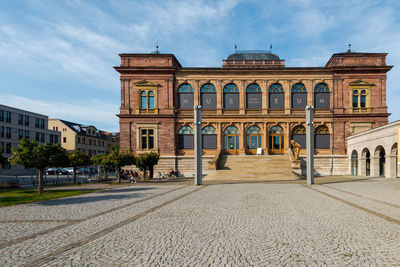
(197,146)
(310,143)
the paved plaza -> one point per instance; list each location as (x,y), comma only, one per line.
(354,223)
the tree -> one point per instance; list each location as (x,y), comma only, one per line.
(78,159)
(117,159)
(147,161)
(102,161)
(1,156)
(32,155)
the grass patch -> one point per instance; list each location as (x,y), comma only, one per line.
(10,197)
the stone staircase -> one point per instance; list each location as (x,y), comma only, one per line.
(253,167)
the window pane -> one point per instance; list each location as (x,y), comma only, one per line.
(151,101)
(276,100)
(299,100)
(209,100)
(248,142)
(253,100)
(151,131)
(362,101)
(144,101)
(144,131)
(151,142)
(144,142)
(355,101)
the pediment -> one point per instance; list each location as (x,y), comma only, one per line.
(361,83)
(145,83)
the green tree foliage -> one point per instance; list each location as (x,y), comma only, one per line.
(32,155)
(78,159)
(147,161)
(117,159)
(1,156)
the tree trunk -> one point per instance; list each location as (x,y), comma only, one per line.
(74,174)
(118,175)
(40,181)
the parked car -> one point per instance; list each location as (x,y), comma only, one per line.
(55,171)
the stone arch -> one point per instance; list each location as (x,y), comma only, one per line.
(393,169)
(365,162)
(379,161)
(354,163)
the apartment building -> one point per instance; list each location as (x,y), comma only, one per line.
(75,136)
(16,124)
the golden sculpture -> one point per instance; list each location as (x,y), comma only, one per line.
(295,149)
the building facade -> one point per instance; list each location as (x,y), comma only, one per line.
(75,136)
(375,152)
(16,124)
(252,101)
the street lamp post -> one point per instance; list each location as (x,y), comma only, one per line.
(197,146)
(310,143)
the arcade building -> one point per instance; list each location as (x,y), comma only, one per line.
(252,101)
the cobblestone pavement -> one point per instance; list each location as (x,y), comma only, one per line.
(336,224)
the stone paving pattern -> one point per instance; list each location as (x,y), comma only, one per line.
(254,224)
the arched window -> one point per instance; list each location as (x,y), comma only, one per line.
(321,96)
(299,96)
(185,138)
(253,96)
(147,100)
(322,137)
(185,96)
(208,96)
(253,138)
(276,143)
(209,136)
(276,96)
(231,140)
(299,135)
(363,97)
(354,163)
(231,96)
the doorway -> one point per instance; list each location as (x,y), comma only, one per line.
(231,140)
(276,143)
(253,139)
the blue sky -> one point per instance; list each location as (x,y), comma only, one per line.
(56,57)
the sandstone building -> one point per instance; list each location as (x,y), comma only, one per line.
(252,101)
(75,136)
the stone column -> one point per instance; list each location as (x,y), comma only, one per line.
(363,166)
(391,166)
(374,166)
(264,98)
(242,149)
(242,97)
(286,88)
(196,92)
(219,92)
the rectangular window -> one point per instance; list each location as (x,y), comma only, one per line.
(37,123)
(64,139)
(209,141)
(299,100)
(2,147)
(102,143)
(20,119)
(147,138)
(20,134)
(8,116)
(83,141)
(42,124)
(277,100)
(8,148)
(1,115)
(26,120)
(231,101)
(37,136)
(355,101)
(42,137)
(90,141)
(55,139)
(78,140)
(185,141)
(2,132)
(27,134)
(51,138)
(8,132)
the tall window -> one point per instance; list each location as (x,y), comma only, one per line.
(41,123)
(253,137)
(185,96)
(253,96)
(208,96)
(20,134)
(299,96)
(20,119)
(209,136)
(185,138)
(2,131)
(147,100)
(322,137)
(299,135)
(27,134)
(1,115)
(146,138)
(8,132)
(37,123)
(56,139)
(276,96)
(8,148)
(26,120)
(37,136)
(321,96)
(8,116)
(359,99)
(42,137)
(52,139)
(231,96)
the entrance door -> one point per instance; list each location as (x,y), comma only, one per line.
(231,140)
(253,139)
(276,144)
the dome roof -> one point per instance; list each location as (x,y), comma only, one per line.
(253,55)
